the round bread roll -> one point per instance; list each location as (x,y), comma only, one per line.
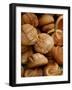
(46,19)
(46,22)
(58,37)
(29,35)
(52,69)
(57,53)
(37,60)
(59,23)
(29,18)
(33,72)
(44,43)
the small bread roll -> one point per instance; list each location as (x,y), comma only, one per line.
(57,53)
(46,19)
(52,69)
(33,72)
(44,43)
(58,37)
(37,60)
(59,23)
(46,22)
(29,18)
(29,35)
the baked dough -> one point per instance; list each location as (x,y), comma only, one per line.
(44,43)
(33,72)
(37,60)
(28,35)
(29,18)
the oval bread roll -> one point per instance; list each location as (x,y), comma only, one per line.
(37,60)
(29,35)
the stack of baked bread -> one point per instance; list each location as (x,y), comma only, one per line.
(41,44)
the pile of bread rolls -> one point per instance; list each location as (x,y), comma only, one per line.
(41,44)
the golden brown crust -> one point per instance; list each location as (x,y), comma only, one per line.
(48,27)
(33,72)
(44,43)
(30,18)
(41,44)
(58,37)
(37,60)
(52,69)
(46,19)
(59,23)
(29,35)
(57,53)
(25,55)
